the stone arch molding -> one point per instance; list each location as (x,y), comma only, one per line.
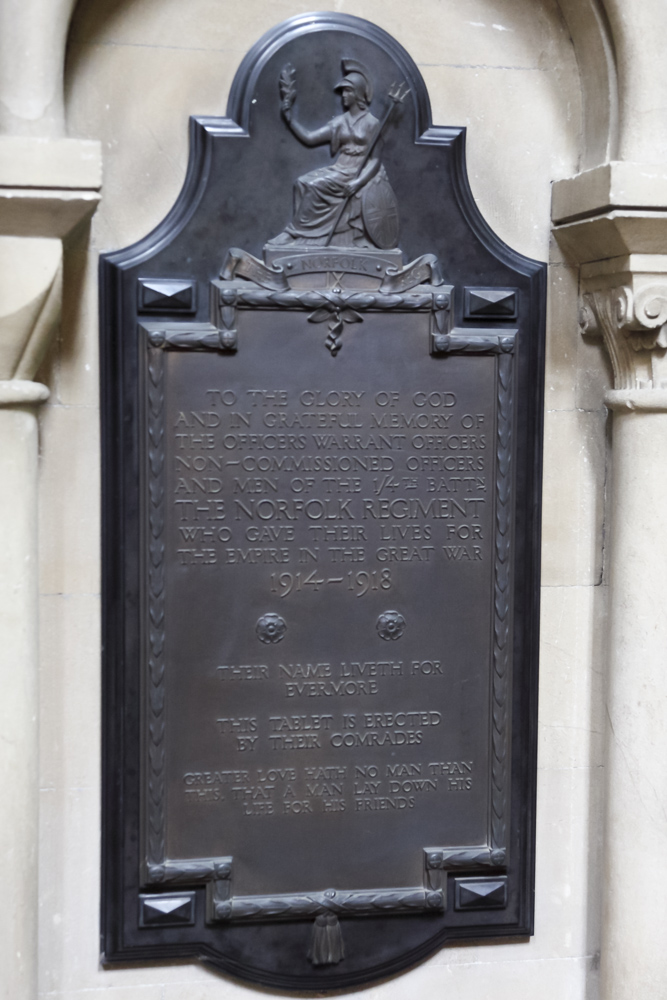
(33,39)
(617,43)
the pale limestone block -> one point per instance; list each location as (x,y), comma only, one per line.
(18,702)
(567,875)
(162,88)
(51,806)
(34,212)
(613,211)
(70,901)
(69,527)
(614,234)
(572,650)
(170,25)
(69,840)
(56,163)
(101,993)
(631,185)
(30,282)
(556,255)
(195,977)
(70,694)
(211,988)
(573,498)
(568,862)
(512,119)
(550,980)
(578,370)
(71,367)
(563,338)
(474,32)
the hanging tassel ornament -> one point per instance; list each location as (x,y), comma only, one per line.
(326,944)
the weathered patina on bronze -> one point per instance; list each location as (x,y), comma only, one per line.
(350,203)
(322,413)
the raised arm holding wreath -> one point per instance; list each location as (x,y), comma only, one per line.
(349,203)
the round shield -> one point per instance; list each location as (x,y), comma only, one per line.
(379,210)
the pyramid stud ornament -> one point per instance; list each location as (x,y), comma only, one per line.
(166,295)
(480,893)
(164,911)
(491,303)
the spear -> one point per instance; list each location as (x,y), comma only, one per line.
(397,94)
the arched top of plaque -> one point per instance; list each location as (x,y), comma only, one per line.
(361,36)
(242,168)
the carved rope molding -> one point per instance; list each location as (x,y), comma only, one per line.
(335,307)
(216,872)
(631,318)
(248,296)
(197,336)
(342,902)
(156,722)
(502,618)
(494,854)
(191,872)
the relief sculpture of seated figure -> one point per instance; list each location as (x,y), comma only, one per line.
(349,203)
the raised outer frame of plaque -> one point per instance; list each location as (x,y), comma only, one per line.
(474,298)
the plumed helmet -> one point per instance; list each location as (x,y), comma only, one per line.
(356,75)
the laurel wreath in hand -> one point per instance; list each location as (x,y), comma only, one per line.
(287,86)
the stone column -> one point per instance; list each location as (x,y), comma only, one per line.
(29,304)
(48,184)
(18,681)
(633,955)
(32,44)
(603,224)
(629,309)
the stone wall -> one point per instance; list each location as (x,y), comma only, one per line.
(507,70)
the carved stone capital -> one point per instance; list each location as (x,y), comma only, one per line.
(625,303)
(612,222)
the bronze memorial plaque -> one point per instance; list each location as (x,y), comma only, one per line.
(322,453)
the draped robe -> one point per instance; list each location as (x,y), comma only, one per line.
(319,195)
